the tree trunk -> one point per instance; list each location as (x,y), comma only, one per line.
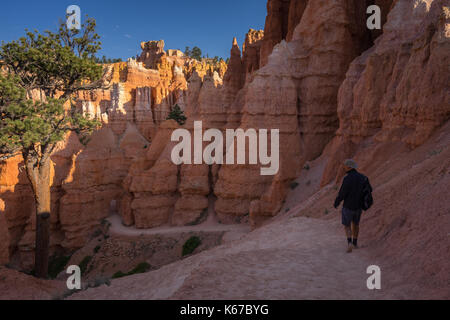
(40,178)
(42,244)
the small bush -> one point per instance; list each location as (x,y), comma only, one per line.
(294,185)
(97,233)
(326,211)
(178,115)
(306,167)
(56,265)
(84,263)
(119,274)
(96,249)
(190,245)
(435,152)
(140,268)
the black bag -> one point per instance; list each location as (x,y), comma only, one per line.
(367,199)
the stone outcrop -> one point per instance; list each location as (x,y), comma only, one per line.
(377,98)
(152,184)
(235,76)
(152,51)
(276,27)
(296,10)
(17,203)
(93,183)
(238,185)
(251,51)
(4,235)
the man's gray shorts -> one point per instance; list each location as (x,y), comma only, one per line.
(349,216)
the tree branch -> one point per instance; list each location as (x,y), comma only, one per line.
(7,156)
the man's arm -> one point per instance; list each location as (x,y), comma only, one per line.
(342,193)
(370,187)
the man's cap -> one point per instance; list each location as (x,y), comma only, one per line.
(351,163)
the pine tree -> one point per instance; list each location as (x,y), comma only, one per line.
(187,52)
(196,53)
(56,65)
(177,114)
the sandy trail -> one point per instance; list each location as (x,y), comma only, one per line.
(117,228)
(211,224)
(290,258)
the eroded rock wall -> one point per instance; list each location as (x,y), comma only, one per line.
(397,90)
(88,181)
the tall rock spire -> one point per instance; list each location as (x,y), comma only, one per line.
(234,77)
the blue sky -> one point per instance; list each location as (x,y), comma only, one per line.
(122,25)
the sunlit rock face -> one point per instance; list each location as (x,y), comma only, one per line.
(88,184)
(152,51)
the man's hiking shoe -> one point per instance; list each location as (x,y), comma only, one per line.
(350,248)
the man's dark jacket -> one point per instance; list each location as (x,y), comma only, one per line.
(352,190)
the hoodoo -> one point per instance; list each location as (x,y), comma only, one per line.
(235,140)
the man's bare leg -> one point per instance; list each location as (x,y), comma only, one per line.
(348,233)
(355,233)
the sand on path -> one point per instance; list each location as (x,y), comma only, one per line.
(290,258)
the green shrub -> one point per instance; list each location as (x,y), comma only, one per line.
(119,274)
(178,115)
(190,245)
(96,249)
(140,268)
(84,263)
(435,152)
(294,185)
(306,167)
(56,265)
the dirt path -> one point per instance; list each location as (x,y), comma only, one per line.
(211,224)
(290,258)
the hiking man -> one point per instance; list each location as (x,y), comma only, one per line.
(354,190)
